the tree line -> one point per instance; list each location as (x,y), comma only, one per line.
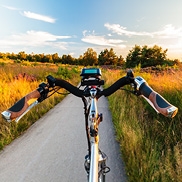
(144,56)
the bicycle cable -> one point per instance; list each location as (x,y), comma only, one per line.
(56,91)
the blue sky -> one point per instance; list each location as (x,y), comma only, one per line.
(73,26)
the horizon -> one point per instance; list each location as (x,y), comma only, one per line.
(60,56)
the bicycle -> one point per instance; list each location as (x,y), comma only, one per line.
(90,91)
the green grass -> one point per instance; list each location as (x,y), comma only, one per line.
(151,144)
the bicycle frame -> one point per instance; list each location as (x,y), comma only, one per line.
(95,160)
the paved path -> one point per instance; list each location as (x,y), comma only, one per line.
(53,148)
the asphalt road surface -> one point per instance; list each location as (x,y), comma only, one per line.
(53,149)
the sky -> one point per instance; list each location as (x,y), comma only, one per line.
(73,26)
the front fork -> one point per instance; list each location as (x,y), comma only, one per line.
(95,161)
(100,167)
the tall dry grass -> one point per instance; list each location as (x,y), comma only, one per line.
(14,87)
(151,144)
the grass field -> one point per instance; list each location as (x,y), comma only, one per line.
(151,144)
(16,81)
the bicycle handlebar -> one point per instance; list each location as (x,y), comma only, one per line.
(22,105)
(41,93)
(80,93)
(159,103)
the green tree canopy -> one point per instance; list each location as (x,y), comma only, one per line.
(22,55)
(67,59)
(146,56)
(90,57)
(107,57)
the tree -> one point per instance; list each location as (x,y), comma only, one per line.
(22,56)
(121,61)
(80,60)
(1,55)
(37,58)
(90,57)
(133,57)
(70,59)
(49,58)
(30,58)
(177,62)
(55,58)
(67,59)
(146,56)
(102,57)
(107,57)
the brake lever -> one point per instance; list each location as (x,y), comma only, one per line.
(130,75)
(51,80)
(44,90)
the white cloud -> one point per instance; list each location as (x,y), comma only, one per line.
(32,15)
(10,7)
(34,39)
(100,40)
(120,30)
(36,16)
(168,31)
(115,41)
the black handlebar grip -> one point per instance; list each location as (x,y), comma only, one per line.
(162,106)
(20,107)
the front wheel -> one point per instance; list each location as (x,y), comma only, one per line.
(102,175)
(103,170)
